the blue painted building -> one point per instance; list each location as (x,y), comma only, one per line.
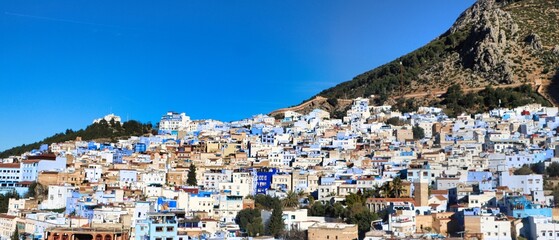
(92,145)
(140,148)
(165,204)
(520,207)
(81,205)
(264,179)
(157,226)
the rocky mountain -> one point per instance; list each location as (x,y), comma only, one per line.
(498,43)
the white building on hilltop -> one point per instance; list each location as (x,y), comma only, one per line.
(108,118)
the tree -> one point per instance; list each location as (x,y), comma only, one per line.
(385,189)
(332,101)
(553,169)
(317,209)
(524,170)
(250,221)
(5,199)
(339,210)
(37,190)
(395,121)
(15,235)
(291,200)
(396,188)
(191,180)
(555,194)
(418,132)
(362,216)
(538,168)
(263,201)
(276,225)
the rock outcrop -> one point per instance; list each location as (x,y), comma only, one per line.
(492,43)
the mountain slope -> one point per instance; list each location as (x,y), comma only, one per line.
(492,43)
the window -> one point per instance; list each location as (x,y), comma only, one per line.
(170,229)
(159,229)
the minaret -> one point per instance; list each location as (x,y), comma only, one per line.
(421,193)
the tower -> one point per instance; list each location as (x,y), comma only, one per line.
(421,193)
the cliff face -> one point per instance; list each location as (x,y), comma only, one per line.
(495,43)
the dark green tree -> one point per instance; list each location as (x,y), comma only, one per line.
(275,225)
(538,168)
(359,214)
(338,210)
(396,187)
(263,201)
(191,178)
(250,221)
(395,121)
(553,169)
(524,170)
(418,132)
(15,235)
(5,199)
(317,209)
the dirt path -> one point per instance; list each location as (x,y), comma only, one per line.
(539,86)
(440,92)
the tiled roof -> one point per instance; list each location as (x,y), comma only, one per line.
(9,165)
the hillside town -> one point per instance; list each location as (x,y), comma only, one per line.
(375,174)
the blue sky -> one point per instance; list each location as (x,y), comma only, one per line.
(64,63)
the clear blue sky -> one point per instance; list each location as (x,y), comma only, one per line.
(64,63)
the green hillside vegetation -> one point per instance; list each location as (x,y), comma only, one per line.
(508,42)
(457,102)
(389,78)
(102,130)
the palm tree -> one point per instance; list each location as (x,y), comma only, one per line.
(385,189)
(291,200)
(397,187)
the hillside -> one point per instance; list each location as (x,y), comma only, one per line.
(493,43)
(101,130)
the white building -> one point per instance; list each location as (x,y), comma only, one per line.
(524,184)
(359,109)
(173,121)
(10,174)
(108,118)
(57,198)
(541,227)
(7,226)
(495,227)
(211,180)
(93,173)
